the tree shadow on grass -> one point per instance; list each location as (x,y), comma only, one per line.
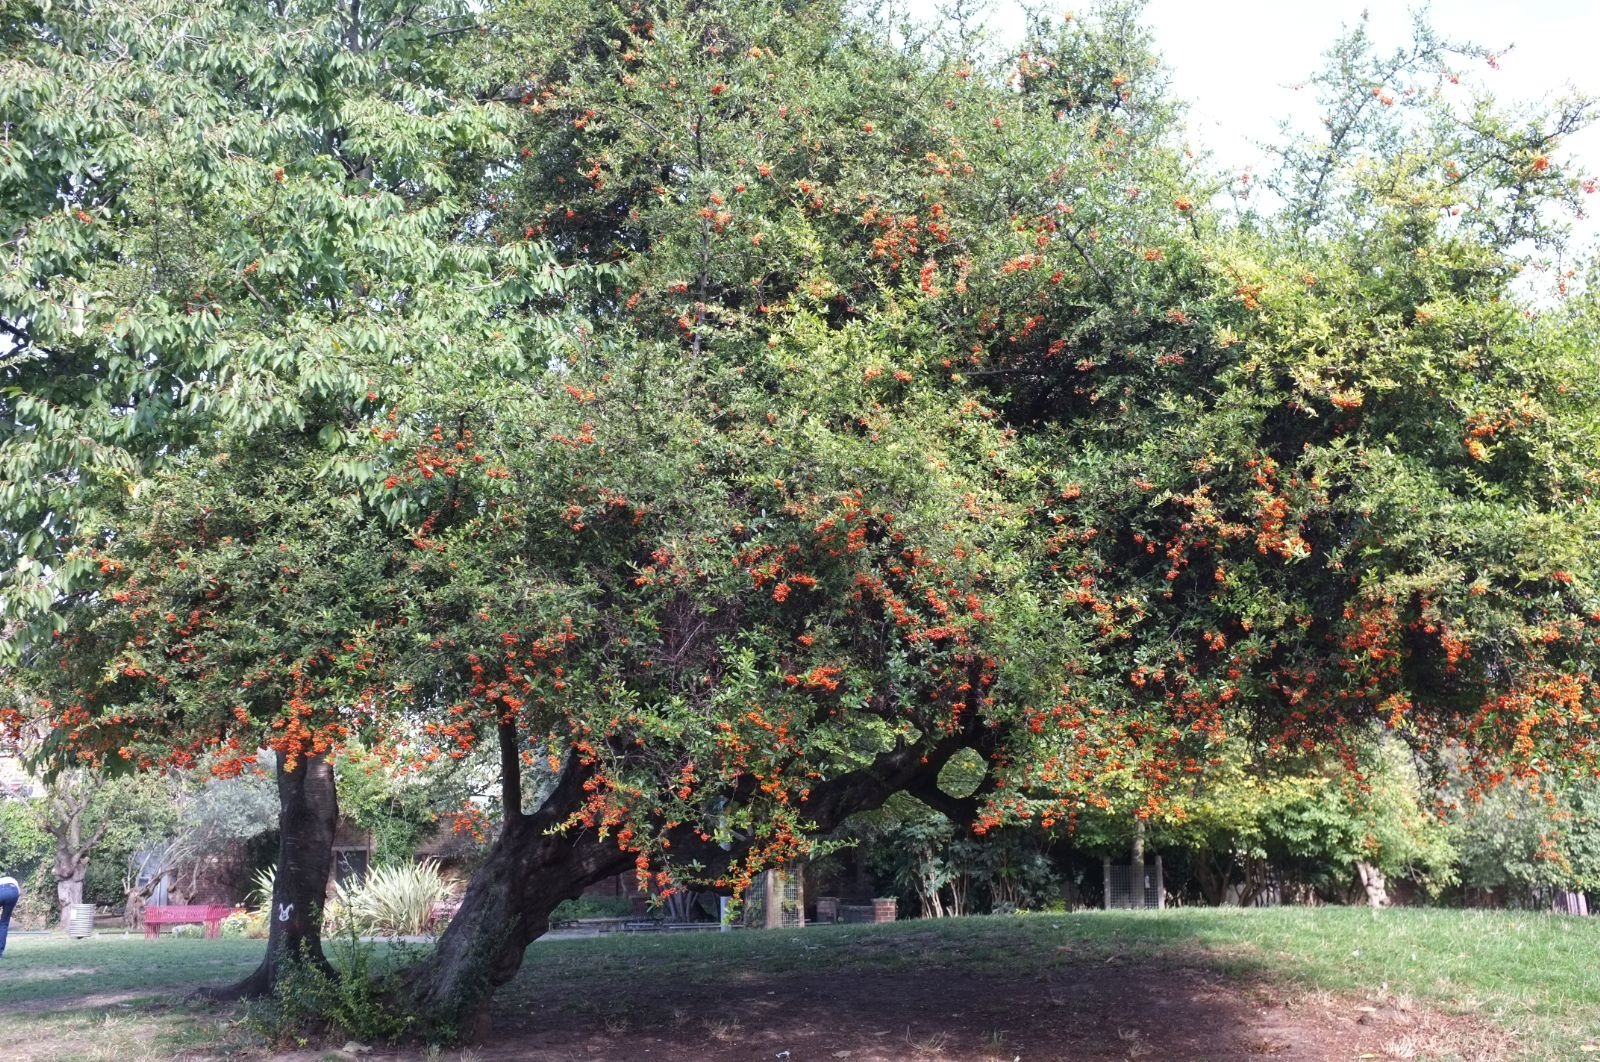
(942,991)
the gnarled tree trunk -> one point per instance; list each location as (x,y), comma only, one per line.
(1373,884)
(70,869)
(67,800)
(530,869)
(505,909)
(507,905)
(308,814)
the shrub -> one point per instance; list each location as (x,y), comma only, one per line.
(592,907)
(37,909)
(255,924)
(249,924)
(263,882)
(24,845)
(396,900)
(311,1002)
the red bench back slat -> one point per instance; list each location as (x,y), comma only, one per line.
(186,913)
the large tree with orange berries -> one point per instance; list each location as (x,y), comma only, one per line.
(1183,478)
(930,402)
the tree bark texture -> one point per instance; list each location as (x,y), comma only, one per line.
(69,886)
(308,815)
(507,905)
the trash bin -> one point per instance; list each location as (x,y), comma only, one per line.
(78,919)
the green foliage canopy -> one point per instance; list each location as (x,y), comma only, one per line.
(926,402)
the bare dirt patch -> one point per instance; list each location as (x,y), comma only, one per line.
(1156,1010)
(984,990)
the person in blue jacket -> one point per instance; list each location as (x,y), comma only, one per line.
(10,893)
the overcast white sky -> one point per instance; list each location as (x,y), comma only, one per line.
(1222,52)
(1236,61)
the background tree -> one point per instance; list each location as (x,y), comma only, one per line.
(1350,840)
(207,816)
(25,850)
(1523,843)
(236,227)
(1285,519)
(404,808)
(65,817)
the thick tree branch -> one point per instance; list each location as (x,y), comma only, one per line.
(510,774)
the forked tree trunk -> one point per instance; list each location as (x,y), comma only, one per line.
(308,814)
(67,800)
(1255,880)
(531,869)
(959,886)
(507,906)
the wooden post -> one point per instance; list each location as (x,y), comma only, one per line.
(1161,886)
(772,900)
(1105,867)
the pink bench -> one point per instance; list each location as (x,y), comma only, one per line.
(211,914)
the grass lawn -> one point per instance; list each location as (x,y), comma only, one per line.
(1537,976)
(114,998)
(1529,983)
(1534,976)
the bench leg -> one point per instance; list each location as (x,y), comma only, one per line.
(150,931)
(213,929)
